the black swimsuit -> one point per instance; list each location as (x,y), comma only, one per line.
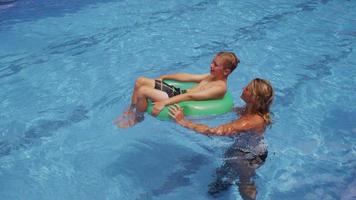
(169,89)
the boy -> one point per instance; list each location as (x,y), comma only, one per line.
(210,86)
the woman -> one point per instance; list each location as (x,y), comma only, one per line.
(249,150)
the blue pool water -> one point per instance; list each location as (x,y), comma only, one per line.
(67,70)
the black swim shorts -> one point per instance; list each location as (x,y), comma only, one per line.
(169,89)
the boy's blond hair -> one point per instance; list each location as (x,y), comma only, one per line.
(231,60)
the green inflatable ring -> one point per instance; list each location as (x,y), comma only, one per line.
(196,108)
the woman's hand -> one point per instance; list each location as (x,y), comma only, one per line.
(157,107)
(176,112)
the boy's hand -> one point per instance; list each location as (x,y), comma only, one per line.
(176,112)
(161,78)
(157,108)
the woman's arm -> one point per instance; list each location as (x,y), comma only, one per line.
(240,125)
(222,130)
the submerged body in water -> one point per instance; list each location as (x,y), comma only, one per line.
(241,159)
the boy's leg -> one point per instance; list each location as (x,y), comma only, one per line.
(146,92)
(143,89)
(141,82)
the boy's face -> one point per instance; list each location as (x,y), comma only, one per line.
(217,66)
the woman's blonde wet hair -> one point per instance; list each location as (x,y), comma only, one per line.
(263,94)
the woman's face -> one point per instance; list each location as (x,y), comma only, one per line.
(247,95)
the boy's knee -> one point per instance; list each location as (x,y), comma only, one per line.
(141,91)
(140,81)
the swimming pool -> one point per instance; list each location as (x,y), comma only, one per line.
(67,70)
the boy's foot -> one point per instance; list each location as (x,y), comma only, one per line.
(129,119)
(123,116)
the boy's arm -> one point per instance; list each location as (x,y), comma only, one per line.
(215,92)
(185,77)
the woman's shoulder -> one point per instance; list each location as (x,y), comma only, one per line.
(255,122)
